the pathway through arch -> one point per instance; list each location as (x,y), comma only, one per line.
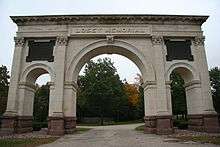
(118,136)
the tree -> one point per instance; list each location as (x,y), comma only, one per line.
(41,105)
(100,90)
(4,86)
(132,92)
(135,94)
(178,94)
(215,86)
(4,83)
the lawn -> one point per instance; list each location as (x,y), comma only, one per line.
(201,139)
(26,142)
(111,123)
(82,130)
(140,128)
(33,142)
(197,138)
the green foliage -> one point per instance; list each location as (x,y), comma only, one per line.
(180,123)
(178,94)
(41,105)
(100,90)
(4,86)
(140,105)
(215,84)
(4,83)
(140,128)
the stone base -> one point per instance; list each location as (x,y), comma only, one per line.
(9,125)
(195,123)
(55,126)
(24,124)
(150,124)
(158,124)
(16,124)
(164,125)
(204,123)
(70,125)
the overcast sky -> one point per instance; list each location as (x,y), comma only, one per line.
(46,7)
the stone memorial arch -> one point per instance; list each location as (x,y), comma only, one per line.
(61,44)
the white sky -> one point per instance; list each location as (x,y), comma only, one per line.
(46,7)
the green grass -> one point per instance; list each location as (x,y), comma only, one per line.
(26,142)
(112,123)
(127,122)
(140,128)
(201,139)
(82,130)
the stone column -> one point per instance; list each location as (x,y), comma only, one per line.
(55,119)
(207,114)
(70,90)
(164,118)
(25,107)
(9,120)
(150,106)
(169,100)
(194,105)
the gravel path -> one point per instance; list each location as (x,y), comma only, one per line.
(119,136)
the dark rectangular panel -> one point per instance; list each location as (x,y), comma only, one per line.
(41,50)
(178,50)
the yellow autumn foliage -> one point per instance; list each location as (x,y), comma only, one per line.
(132,93)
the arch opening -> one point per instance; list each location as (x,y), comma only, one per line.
(119,47)
(35,93)
(109,50)
(131,106)
(180,96)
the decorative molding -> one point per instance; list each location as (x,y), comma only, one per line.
(19,41)
(157,40)
(110,39)
(192,84)
(61,40)
(109,19)
(199,41)
(28,86)
(71,85)
(149,84)
(168,82)
(51,85)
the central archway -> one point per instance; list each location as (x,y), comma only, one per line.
(103,47)
(92,50)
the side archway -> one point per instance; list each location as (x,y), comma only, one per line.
(192,87)
(186,70)
(26,92)
(32,72)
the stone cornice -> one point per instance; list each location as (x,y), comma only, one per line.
(109,19)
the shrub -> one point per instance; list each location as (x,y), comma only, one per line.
(180,123)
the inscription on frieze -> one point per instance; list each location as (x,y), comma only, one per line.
(110,30)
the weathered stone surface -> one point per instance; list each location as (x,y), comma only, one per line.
(56,126)
(8,125)
(70,125)
(158,124)
(24,124)
(204,122)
